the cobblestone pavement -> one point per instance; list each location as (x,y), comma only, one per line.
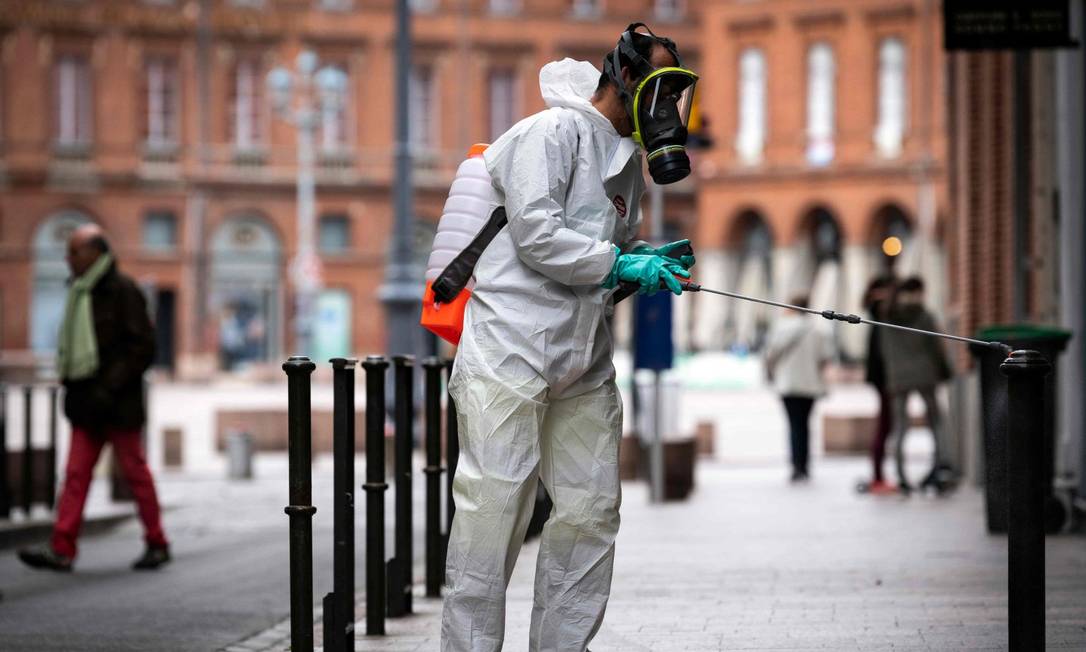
(750,562)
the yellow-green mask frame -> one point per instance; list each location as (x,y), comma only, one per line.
(659,72)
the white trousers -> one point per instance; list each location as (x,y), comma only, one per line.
(510,436)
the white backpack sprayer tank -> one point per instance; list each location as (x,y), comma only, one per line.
(464,217)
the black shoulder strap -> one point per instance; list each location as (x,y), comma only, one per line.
(456,275)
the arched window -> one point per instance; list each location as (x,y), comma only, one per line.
(50,278)
(890,128)
(750,139)
(502,88)
(335,133)
(820,101)
(246,265)
(422,109)
(750,321)
(825,235)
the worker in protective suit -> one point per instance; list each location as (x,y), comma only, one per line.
(533,381)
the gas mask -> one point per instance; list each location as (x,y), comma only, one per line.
(659,106)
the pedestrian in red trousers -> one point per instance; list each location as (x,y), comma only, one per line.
(876,300)
(106,344)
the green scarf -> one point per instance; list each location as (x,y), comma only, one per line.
(77,348)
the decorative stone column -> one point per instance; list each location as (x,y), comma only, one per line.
(856,272)
(712,269)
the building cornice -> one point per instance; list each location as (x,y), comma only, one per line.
(903,11)
(910,172)
(819,19)
(750,24)
(86,19)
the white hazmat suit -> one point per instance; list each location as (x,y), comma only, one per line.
(534,382)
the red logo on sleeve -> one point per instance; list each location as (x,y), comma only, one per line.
(620,205)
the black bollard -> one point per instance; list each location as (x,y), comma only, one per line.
(301,509)
(51,477)
(452,454)
(435,559)
(375,487)
(1026,372)
(28,448)
(339,604)
(5,493)
(400,567)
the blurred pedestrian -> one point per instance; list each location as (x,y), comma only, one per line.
(876,301)
(106,343)
(914,363)
(797,351)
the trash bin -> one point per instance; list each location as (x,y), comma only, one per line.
(239,453)
(1050,342)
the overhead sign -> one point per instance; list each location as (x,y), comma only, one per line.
(1006,24)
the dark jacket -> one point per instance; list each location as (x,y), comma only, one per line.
(875,372)
(126,347)
(913,361)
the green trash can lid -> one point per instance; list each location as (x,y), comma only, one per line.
(1003,332)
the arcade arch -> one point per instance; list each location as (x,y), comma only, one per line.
(818,269)
(246,290)
(747,322)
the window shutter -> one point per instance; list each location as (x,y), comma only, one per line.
(258,114)
(173,101)
(232,103)
(57,100)
(143,103)
(84,103)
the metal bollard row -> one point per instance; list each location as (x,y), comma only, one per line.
(389,582)
(452,452)
(1026,372)
(375,487)
(339,604)
(301,509)
(5,497)
(51,478)
(28,449)
(433,470)
(400,567)
(26,492)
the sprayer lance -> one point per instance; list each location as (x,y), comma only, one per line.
(690,286)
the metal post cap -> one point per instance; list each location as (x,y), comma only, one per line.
(433,362)
(375,362)
(343,363)
(300,510)
(404,360)
(1027,363)
(298,364)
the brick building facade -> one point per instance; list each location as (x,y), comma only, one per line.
(1016,231)
(829,137)
(150,118)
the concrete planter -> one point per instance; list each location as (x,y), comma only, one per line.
(679,461)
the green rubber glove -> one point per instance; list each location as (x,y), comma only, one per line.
(667,251)
(647,270)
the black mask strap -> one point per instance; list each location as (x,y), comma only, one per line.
(640,65)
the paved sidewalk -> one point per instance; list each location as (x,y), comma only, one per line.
(753,563)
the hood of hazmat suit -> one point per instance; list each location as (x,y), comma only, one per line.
(533,382)
(571,187)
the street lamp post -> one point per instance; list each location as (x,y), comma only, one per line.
(401,291)
(301,97)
